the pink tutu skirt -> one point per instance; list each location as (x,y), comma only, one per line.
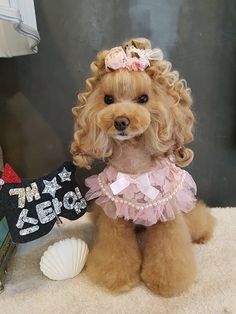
(174,188)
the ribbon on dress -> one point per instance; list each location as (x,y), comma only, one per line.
(142,182)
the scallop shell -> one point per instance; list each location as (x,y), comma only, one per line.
(64,259)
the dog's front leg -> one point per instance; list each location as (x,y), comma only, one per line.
(200,223)
(115,260)
(168,263)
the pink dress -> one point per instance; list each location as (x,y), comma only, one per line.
(147,198)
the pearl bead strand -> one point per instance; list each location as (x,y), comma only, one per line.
(164,200)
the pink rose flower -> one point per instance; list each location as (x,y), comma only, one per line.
(135,64)
(132,59)
(115,59)
(137,59)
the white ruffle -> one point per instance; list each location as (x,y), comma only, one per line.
(18,28)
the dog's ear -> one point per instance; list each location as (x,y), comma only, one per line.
(170,129)
(176,119)
(183,128)
(89,142)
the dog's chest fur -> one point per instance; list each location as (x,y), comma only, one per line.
(131,157)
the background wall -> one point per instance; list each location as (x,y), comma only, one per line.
(38,91)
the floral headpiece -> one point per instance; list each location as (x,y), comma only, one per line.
(131,58)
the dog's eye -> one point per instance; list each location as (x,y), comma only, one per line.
(142,99)
(108,99)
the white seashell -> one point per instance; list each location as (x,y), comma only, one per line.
(64,259)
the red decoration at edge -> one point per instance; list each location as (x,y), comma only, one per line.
(9,175)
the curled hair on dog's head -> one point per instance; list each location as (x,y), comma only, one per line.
(171,116)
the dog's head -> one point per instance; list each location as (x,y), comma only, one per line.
(133,94)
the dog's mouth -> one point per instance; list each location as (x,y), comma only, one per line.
(123,133)
(123,136)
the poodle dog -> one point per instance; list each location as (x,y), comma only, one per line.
(136,115)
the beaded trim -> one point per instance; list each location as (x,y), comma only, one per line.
(163,200)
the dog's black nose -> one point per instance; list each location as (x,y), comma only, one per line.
(121,123)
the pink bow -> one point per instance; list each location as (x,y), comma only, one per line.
(142,182)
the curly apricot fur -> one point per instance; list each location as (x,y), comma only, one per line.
(159,128)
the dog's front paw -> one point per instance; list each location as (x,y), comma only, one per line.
(200,222)
(116,272)
(168,278)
